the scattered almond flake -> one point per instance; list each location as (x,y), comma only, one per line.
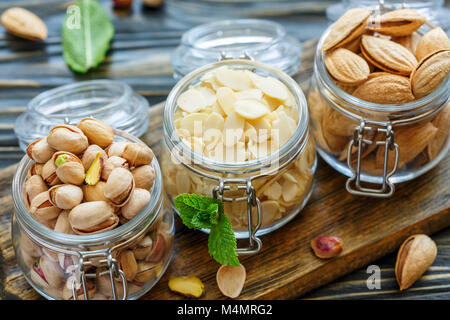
(290,190)
(234,79)
(289,177)
(191,101)
(270,86)
(250,109)
(226,99)
(274,191)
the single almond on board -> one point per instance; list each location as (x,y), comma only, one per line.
(414,257)
(230,280)
(388,55)
(385,88)
(347,28)
(432,41)
(397,23)
(188,286)
(430,73)
(441,122)
(24,24)
(346,66)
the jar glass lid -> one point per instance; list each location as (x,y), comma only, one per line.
(260,40)
(110,101)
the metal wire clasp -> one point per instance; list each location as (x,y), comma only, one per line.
(255,243)
(387,188)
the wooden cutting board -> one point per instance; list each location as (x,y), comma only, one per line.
(285,268)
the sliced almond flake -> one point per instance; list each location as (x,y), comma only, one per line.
(235,79)
(292,112)
(289,177)
(226,99)
(191,101)
(270,86)
(177,123)
(210,95)
(274,191)
(233,129)
(249,94)
(284,127)
(214,121)
(194,123)
(249,132)
(211,138)
(250,109)
(270,117)
(289,190)
(218,109)
(183,133)
(235,153)
(197,145)
(270,210)
(183,182)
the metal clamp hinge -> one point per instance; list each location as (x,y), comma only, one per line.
(252,200)
(387,188)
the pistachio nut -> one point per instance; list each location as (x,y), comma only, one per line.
(27,259)
(103,284)
(49,173)
(112,163)
(158,249)
(116,149)
(35,169)
(128,264)
(138,200)
(40,151)
(29,246)
(48,223)
(33,186)
(65,196)
(90,154)
(42,209)
(49,271)
(94,173)
(119,187)
(137,154)
(67,138)
(92,217)
(143,248)
(144,177)
(63,224)
(95,192)
(67,292)
(69,168)
(414,257)
(230,280)
(97,132)
(37,276)
(146,271)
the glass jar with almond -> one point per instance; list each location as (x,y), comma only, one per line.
(379,98)
(89,216)
(238,130)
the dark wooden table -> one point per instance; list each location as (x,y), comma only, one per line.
(140,56)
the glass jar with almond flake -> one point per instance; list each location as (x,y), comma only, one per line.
(379,98)
(238,130)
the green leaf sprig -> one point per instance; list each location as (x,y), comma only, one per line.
(86,35)
(201,212)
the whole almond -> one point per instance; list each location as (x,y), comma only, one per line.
(397,23)
(385,88)
(432,41)
(346,67)
(430,73)
(347,28)
(414,257)
(24,24)
(388,55)
(441,122)
(409,42)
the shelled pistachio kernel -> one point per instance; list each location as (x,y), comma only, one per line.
(236,115)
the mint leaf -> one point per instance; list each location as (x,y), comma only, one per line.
(198,212)
(86,34)
(222,243)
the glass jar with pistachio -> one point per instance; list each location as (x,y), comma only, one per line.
(238,130)
(89,216)
(379,98)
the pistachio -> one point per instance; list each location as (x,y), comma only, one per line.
(146,271)
(95,192)
(346,66)
(138,200)
(35,169)
(432,41)
(137,154)
(112,163)
(67,292)
(415,256)
(90,154)
(42,209)
(33,186)
(128,264)
(37,275)
(92,217)
(144,177)
(143,248)
(49,271)
(29,246)
(69,168)
(397,23)
(94,172)
(327,247)
(119,187)
(97,132)
(104,287)
(116,149)
(67,138)
(230,280)
(63,224)
(65,196)
(188,286)
(158,249)
(49,173)
(40,151)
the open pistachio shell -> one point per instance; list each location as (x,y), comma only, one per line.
(119,186)
(143,248)
(137,154)
(128,264)
(116,149)
(158,249)
(33,186)
(231,280)
(138,200)
(49,173)
(65,196)
(42,209)
(35,169)
(112,163)
(52,272)
(144,177)
(90,154)
(69,168)
(92,217)
(146,271)
(95,192)
(40,151)
(67,138)
(97,132)
(63,224)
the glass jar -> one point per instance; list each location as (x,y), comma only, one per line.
(262,40)
(242,186)
(96,266)
(110,101)
(352,134)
